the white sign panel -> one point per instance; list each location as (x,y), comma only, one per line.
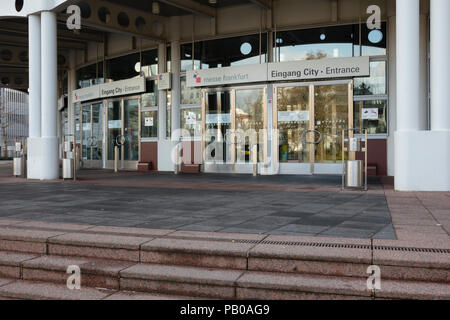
(149,122)
(112,89)
(227,75)
(319,69)
(85,94)
(293,116)
(370,114)
(218,118)
(191,118)
(282,71)
(164,81)
(122,88)
(114,124)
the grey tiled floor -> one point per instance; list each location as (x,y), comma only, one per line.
(275,212)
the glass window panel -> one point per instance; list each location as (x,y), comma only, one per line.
(191,120)
(150,98)
(227,52)
(114,126)
(375,84)
(249,116)
(90,75)
(150,63)
(371,115)
(190,95)
(331,103)
(186,57)
(87,133)
(149,124)
(131,130)
(121,68)
(374,42)
(317,43)
(293,122)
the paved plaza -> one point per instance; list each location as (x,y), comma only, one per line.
(272,205)
(217,203)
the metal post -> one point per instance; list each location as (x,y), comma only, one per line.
(116,159)
(366,152)
(255,159)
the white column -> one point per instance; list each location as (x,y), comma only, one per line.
(440,65)
(34,53)
(49,58)
(408,65)
(162,94)
(176,86)
(72,78)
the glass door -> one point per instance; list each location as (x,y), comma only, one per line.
(92,135)
(123,128)
(217,128)
(333,110)
(295,125)
(234,122)
(310,119)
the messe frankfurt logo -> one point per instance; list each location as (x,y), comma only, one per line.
(197,77)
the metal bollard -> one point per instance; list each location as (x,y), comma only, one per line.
(177,159)
(255,160)
(116,159)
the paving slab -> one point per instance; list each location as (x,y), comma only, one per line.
(200,282)
(27,290)
(94,272)
(202,253)
(408,290)
(270,284)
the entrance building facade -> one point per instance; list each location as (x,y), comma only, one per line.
(218,88)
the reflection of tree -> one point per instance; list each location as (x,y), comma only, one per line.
(316,56)
(293,99)
(331,108)
(363,89)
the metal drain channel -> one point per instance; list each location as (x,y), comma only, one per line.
(345,246)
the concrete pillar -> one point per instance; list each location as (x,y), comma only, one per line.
(49,58)
(421,157)
(72,85)
(34,147)
(440,65)
(423,73)
(392,52)
(408,65)
(162,94)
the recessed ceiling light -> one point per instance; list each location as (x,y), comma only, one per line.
(212,1)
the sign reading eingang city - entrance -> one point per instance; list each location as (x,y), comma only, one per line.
(281,71)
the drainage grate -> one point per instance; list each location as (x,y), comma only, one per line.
(345,246)
(321,245)
(418,250)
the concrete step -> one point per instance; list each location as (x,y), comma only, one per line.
(29,290)
(296,255)
(161,281)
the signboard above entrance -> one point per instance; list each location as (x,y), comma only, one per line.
(227,75)
(319,69)
(111,89)
(281,71)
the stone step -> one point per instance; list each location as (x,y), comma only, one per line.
(29,290)
(232,284)
(188,281)
(297,255)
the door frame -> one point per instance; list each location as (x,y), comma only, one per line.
(89,163)
(313,167)
(233,167)
(123,165)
